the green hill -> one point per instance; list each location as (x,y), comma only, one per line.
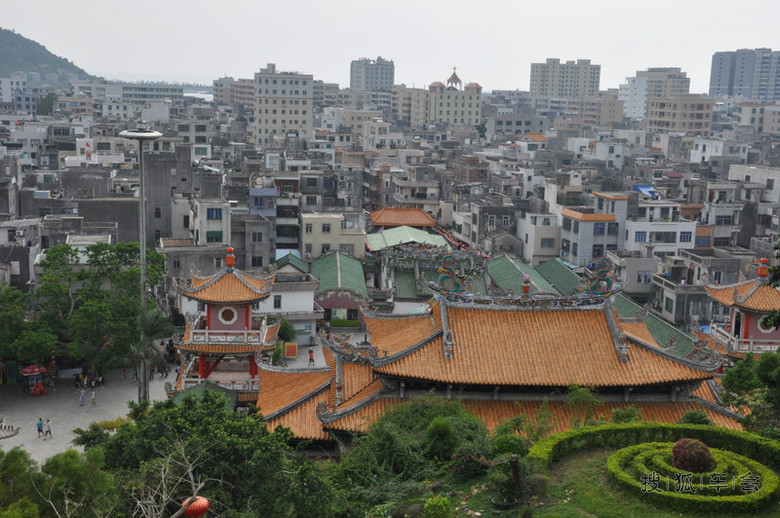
(19,54)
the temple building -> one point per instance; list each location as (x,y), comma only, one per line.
(499,355)
(223,342)
(748,302)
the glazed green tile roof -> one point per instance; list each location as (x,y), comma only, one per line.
(405,287)
(477,287)
(507,272)
(661,330)
(198,390)
(338,270)
(560,276)
(293,260)
(400,235)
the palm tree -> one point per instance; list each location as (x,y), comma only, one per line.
(144,351)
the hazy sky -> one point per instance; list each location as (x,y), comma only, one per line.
(492,42)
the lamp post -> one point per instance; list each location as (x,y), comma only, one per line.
(142,135)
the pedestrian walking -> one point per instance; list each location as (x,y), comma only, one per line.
(311,357)
(40,427)
(47,430)
(94,398)
(82,396)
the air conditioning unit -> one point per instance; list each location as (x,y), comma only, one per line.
(20,233)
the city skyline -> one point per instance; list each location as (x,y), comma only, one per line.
(492,43)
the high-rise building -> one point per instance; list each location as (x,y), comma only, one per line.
(570,79)
(454,104)
(283,105)
(665,82)
(372,75)
(750,73)
(685,113)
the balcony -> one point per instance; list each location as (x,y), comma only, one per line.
(742,345)
(254,335)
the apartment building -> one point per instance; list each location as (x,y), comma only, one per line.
(570,79)
(749,73)
(454,105)
(323,232)
(372,74)
(687,113)
(409,106)
(283,105)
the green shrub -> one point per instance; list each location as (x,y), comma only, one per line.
(695,417)
(623,469)
(276,357)
(558,445)
(508,445)
(437,507)
(625,415)
(287,331)
(344,323)
(692,455)
(469,461)
(440,439)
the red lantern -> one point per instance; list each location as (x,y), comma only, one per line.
(198,507)
(763,268)
(230,259)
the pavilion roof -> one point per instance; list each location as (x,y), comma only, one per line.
(754,295)
(228,286)
(399,216)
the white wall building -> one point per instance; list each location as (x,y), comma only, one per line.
(634,96)
(541,237)
(283,105)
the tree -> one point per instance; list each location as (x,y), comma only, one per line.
(13,308)
(583,402)
(90,299)
(287,331)
(45,105)
(755,383)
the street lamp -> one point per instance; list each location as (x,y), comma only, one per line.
(142,135)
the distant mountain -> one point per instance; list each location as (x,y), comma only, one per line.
(19,54)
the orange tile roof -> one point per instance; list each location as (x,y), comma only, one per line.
(271,334)
(369,390)
(224,348)
(580,216)
(536,348)
(398,216)
(303,420)
(753,295)
(492,412)
(228,286)
(355,377)
(279,390)
(396,334)
(534,137)
(611,196)
(638,331)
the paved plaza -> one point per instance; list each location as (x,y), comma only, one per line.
(61,406)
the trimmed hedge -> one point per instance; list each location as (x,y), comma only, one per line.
(743,503)
(344,323)
(559,445)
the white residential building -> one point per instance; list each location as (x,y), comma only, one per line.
(283,105)
(541,237)
(634,96)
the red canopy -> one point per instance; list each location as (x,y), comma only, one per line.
(32,370)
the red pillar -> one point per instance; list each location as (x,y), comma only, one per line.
(248,309)
(252,367)
(202,366)
(208,316)
(745,326)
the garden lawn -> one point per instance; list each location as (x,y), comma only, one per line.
(580,487)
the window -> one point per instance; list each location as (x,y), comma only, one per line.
(277,302)
(214,214)
(770,183)
(325,248)
(309,228)
(612,229)
(257,237)
(311,182)
(644,276)
(326,228)
(702,241)
(598,229)
(217,262)
(505,221)
(308,249)
(548,243)
(574,249)
(668,305)
(257,261)
(640,237)
(723,220)
(214,236)
(576,227)
(259,203)
(176,262)
(722,241)
(685,237)
(186,221)
(347,249)
(566,224)
(157,212)
(598,251)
